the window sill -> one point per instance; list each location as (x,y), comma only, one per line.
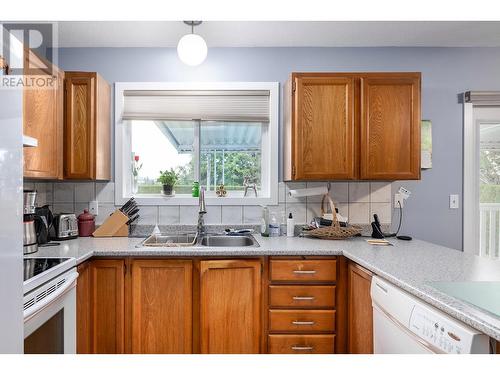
(186,200)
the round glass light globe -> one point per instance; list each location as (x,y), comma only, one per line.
(192,49)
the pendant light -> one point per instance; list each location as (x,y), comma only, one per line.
(192,49)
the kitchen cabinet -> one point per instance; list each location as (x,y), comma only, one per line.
(43,120)
(87,127)
(352,126)
(83,311)
(107,306)
(306,310)
(322,139)
(161,306)
(390,127)
(360,320)
(230,306)
(154,306)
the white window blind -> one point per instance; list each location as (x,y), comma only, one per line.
(215,105)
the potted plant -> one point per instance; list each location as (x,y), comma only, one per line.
(168,180)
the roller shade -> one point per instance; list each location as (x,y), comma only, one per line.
(234,105)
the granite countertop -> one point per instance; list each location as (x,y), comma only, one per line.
(411,265)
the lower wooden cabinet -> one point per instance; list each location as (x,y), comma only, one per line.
(230,306)
(107,316)
(153,306)
(161,305)
(360,316)
(301,344)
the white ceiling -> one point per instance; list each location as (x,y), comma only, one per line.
(282,34)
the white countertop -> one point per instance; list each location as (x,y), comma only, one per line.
(411,265)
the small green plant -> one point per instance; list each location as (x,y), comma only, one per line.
(168,178)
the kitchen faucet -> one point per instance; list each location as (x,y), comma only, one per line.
(200,229)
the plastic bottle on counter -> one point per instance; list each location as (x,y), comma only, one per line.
(274,226)
(264,223)
(283,222)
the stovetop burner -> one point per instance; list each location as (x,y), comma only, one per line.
(35,266)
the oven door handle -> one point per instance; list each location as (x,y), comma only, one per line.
(39,306)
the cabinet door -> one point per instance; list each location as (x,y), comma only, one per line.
(83,310)
(79,127)
(161,306)
(360,330)
(323,137)
(230,306)
(390,127)
(42,119)
(107,304)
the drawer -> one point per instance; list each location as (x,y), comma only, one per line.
(301,344)
(303,270)
(302,296)
(302,320)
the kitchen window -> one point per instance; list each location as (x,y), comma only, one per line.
(213,133)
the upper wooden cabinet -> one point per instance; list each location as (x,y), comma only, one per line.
(87,128)
(161,306)
(230,306)
(360,320)
(349,126)
(322,139)
(43,120)
(390,127)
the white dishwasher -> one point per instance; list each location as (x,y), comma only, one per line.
(404,324)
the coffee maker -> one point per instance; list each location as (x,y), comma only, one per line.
(30,244)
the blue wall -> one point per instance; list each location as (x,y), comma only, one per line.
(446,72)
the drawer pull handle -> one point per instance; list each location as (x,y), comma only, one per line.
(302,348)
(302,298)
(303,323)
(305,272)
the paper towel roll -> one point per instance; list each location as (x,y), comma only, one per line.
(308,192)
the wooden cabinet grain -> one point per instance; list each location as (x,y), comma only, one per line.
(360,320)
(107,321)
(230,306)
(390,127)
(322,138)
(43,120)
(87,127)
(161,305)
(352,126)
(83,309)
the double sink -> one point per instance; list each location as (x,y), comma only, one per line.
(191,240)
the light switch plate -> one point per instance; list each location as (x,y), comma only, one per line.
(454,203)
(94,208)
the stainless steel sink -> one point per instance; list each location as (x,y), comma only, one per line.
(170,240)
(190,240)
(229,241)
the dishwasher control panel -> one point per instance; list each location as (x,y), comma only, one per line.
(443,334)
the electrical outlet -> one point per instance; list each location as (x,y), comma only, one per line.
(94,208)
(454,201)
(399,199)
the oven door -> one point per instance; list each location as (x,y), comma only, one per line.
(50,317)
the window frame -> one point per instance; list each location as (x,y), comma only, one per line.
(270,145)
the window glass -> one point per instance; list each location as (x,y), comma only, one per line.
(158,146)
(230,155)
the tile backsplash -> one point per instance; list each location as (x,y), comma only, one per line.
(356,200)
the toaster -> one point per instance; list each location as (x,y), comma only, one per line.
(64,227)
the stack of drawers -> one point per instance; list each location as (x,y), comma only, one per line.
(302,306)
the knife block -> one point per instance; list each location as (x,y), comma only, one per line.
(114,226)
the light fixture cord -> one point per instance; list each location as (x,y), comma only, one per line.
(192,27)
